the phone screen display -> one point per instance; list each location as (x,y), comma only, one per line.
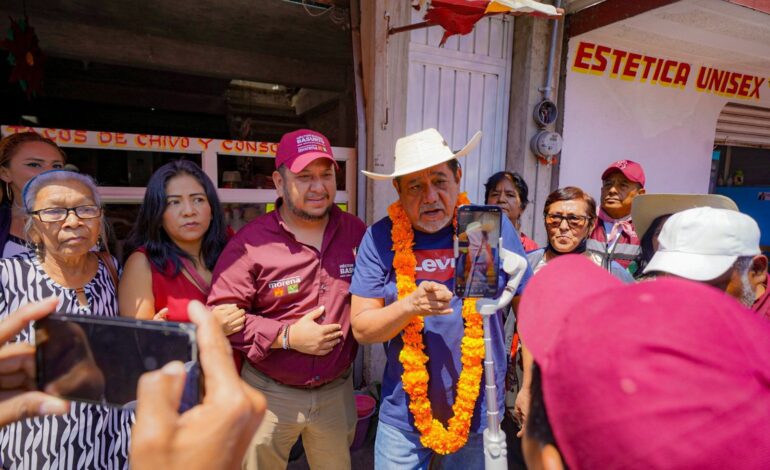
(478,255)
(100,360)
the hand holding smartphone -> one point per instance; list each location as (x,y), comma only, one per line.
(477,262)
(99,360)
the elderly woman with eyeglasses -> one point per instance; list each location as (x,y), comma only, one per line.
(64,224)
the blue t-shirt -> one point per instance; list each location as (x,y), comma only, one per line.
(374,277)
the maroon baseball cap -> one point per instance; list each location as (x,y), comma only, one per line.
(660,374)
(297,149)
(630,169)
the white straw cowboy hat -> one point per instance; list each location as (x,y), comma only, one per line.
(648,207)
(423,150)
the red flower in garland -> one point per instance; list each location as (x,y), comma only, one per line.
(25,56)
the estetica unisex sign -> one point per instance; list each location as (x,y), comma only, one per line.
(598,59)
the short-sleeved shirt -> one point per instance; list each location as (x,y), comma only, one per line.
(14,246)
(375,277)
(89,436)
(276,279)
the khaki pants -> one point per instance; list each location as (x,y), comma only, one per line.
(325,417)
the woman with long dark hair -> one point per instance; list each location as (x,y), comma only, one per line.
(22,156)
(176,240)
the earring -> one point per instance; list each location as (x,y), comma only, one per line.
(99,244)
(8,192)
(39,251)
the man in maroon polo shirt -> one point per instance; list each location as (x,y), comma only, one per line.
(290,270)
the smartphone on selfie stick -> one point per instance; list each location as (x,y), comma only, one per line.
(478,255)
(99,360)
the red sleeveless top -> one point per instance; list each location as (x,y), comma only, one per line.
(174,292)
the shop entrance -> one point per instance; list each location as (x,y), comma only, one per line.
(123,163)
(741,162)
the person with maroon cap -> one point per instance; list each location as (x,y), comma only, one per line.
(614,237)
(290,270)
(677,378)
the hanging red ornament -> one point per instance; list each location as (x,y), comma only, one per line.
(25,56)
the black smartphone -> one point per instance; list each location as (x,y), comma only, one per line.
(99,360)
(477,254)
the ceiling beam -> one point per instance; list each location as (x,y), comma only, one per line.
(134,96)
(307,100)
(240,109)
(117,47)
(608,12)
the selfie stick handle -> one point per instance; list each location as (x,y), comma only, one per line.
(495,449)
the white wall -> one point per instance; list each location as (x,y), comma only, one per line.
(669,130)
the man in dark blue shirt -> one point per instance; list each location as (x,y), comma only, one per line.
(427,178)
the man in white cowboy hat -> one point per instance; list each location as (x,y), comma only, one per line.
(427,179)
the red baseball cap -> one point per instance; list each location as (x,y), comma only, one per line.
(660,374)
(297,149)
(630,169)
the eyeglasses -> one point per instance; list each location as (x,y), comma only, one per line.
(57,214)
(574,221)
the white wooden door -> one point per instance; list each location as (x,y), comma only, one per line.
(461,88)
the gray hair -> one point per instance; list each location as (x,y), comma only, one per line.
(33,187)
(742,266)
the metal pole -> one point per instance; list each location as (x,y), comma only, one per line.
(355,29)
(495,447)
(551,53)
(493,414)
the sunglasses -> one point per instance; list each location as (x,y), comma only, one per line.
(574,221)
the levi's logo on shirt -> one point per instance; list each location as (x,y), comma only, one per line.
(283,287)
(435,265)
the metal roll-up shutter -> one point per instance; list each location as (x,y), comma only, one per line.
(740,125)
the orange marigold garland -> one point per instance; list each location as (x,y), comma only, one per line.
(434,435)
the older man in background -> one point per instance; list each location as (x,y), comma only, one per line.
(718,247)
(679,377)
(614,237)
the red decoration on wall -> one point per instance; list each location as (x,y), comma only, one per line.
(456,16)
(25,56)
